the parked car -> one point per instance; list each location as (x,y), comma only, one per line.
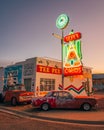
(17,94)
(63,99)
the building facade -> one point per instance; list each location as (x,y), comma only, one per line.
(98,81)
(42,75)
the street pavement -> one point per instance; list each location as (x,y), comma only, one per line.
(17,122)
(95,116)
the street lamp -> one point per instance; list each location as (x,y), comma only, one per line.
(61,23)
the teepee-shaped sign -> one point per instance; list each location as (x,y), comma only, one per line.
(72,56)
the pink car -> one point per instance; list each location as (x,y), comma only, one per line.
(63,99)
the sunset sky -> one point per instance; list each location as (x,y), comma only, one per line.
(26,28)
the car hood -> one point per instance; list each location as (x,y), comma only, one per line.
(23,93)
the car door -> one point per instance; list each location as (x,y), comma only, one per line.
(60,100)
(8,95)
(69,100)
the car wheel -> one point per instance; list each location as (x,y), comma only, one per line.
(86,107)
(13,101)
(1,98)
(45,107)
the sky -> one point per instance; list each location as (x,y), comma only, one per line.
(26,28)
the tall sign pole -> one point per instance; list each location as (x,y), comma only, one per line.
(62,44)
(61,23)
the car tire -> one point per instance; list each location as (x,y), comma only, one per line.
(1,98)
(45,107)
(13,101)
(86,107)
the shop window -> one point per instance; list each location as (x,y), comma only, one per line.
(47,84)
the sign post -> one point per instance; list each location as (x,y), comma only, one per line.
(61,23)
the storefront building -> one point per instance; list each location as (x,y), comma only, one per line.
(49,77)
(98,82)
(41,75)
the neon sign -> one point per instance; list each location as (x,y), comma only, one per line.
(72,54)
(72,37)
(62,21)
(73,71)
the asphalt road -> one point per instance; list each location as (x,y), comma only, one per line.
(14,122)
(25,117)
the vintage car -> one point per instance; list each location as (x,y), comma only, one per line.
(17,94)
(63,99)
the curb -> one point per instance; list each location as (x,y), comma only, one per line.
(29,115)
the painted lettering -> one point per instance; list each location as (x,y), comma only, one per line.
(51,70)
(56,71)
(44,69)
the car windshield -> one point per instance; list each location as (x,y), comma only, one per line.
(48,94)
(17,87)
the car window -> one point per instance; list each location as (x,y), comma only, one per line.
(17,87)
(55,94)
(67,95)
(11,88)
(60,95)
(48,94)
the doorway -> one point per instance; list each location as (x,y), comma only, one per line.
(27,83)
